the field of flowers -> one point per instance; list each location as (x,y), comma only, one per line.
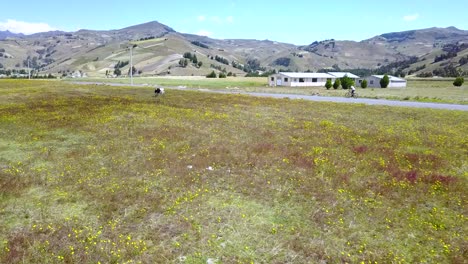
(99,174)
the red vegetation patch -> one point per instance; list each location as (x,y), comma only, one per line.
(440,178)
(413,177)
(262,148)
(298,159)
(360,149)
(17,245)
(429,159)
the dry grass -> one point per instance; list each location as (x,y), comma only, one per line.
(94,174)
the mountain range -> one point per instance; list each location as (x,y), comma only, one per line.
(158,49)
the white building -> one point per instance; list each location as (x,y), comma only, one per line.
(374,81)
(305,79)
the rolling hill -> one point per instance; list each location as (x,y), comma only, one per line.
(157,50)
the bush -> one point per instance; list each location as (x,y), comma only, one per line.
(364,84)
(328,84)
(459,81)
(211,75)
(336,84)
(117,72)
(384,81)
(222,75)
(346,82)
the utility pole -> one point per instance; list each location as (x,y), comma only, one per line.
(29,70)
(131,66)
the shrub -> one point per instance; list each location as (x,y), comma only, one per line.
(364,84)
(117,72)
(459,81)
(211,75)
(328,84)
(384,81)
(336,84)
(222,75)
(346,82)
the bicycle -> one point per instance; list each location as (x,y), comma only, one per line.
(349,94)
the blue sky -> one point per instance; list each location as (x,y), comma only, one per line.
(297,22)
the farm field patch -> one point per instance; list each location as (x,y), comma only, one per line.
(92,173)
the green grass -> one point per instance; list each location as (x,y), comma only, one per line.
(105,174)
(420,90)
(190,82)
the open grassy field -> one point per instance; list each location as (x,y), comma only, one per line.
(421,90)
(99,174)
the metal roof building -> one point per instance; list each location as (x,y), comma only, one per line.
(302,79)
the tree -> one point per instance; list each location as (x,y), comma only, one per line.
(194,59)
(188,55)
(346,82)
(459,81)
(253,64)
(364,84)
(117,71)
(222,75)
(211,75)
(183,62)
(384,81)
(328,84)
(134,70)
(200,63)
(336,84)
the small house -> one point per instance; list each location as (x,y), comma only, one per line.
(299,79)
(306,79)
(374,81)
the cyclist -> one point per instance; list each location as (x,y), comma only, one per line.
(352,90)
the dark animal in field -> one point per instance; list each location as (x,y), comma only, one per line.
(158,91)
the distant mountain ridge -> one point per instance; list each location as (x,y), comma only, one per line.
(8,34)
(158,50)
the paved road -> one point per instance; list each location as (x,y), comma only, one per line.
(322,98)
(367,101)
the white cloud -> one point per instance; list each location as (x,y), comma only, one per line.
(204,33)
(24,27)
(230,19)
(201,18)
(411,17)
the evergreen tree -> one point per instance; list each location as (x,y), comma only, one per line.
(346,82)
(328,84)
(336,84)
(364,84)
(384,81)
(211,75)
(459,81)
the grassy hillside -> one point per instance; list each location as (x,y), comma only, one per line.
(93,174)
(159,49)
